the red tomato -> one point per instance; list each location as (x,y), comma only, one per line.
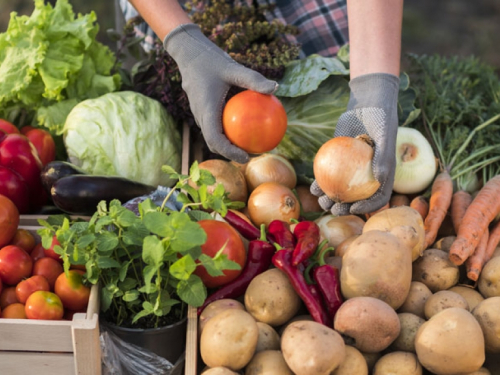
(43,142)
(221,234)
(15,188)
(14,311)
(9,220)
(1,286)
(8,296)
(50,251)
(8,127)
(48,268)
(254,122)
(71,290)
(44,305)
(15,264)
(27,286)
(24,239)
(37,252)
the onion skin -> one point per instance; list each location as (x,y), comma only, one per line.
(272,201)
(343,169)
(269,168)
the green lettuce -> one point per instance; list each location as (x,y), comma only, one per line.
(49,62)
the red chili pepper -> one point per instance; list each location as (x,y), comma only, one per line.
(247,230)
(328,282)
(307,234)
(282,259)
(283,236)
(260,253)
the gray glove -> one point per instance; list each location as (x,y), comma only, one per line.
(207,75)
(372,110)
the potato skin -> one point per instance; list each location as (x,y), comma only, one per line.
(270,298)
(415,301)
(444,299)
(401,363)
(312,348)
(218,371)
(229,339)
(489,279)
(472,296)
(268,362)
(487,313)
(435,270)
(216,307)
(410,323)
(353,363)
(268,338)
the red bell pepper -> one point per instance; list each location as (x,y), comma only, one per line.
(43,142)
(307,234)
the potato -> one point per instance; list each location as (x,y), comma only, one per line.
(271,299)
(471,295)
(312,348)
(444,299)
(218,371)
(336,229)
(268,338)
(268,362)
(481,371)
(353,363)
(435,270)
(489,279)
(334,261)
(216,307)
(229,339)
(296,318)
(393,217)
(377,265)
(410,323)
(444,243)
(415,301)
(401,363)
(371,359)
(487,313)
(370,322)
(344,245)
(451,342)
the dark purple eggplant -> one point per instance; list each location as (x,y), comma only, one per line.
(56,170)
(80,194)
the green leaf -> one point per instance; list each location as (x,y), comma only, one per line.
(128,284)
(106,241)
(148,273)
(85,240)
(192,291)
(107,262)
(153,251)
(198,215)
(106,299)
(210,265)
(131,295)
(206,178)
(126,218)
(183,268)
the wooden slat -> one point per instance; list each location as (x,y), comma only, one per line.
(191,342)
(25,363)
(86,347)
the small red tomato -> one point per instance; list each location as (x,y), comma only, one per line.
(43,142)
(8,127)
(14,311)
(27,286)
(24,239)
(37,252)
(70,288)
(48,268)
(15,264)
(221,235)
(44,305)
(8,296)
(50,251)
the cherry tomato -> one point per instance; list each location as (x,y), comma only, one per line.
(24,239)
(15,264)
(8,127)
(50,251)
(8,296)
(27,286)
(43,142)
(37,252)
(44,305)
(9,220)
(73,292)
(14,311)
(254,122)
(221,234)
(48,268)
(15,188)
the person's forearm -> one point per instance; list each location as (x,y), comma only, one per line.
(161,15)
(375,36)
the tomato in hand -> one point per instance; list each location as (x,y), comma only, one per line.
(8,127)
(9,220)
(24,239)
(70,288)
(43,142)
(30,285)
(8,296)
(15,264)
(14,311)
(44,305)
(48,268)
(254,122)
(220,234)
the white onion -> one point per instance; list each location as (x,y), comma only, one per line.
(269,168)
(416,164)
(337,229)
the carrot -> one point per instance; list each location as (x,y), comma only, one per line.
(370,214)
(420,204)
(474,264)
(459,203)
(481,212)
(493,240)
(399,200)
(439,203)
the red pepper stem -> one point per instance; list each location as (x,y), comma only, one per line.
(263,235)
(321,257)
(307,272)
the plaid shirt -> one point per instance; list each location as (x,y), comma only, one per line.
(322,23)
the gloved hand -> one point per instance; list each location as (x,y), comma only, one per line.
(207,75)
(372,110)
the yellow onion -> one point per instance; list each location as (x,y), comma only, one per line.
(337,229)
(343,169)
(269,168)
(308,201)
(272,201)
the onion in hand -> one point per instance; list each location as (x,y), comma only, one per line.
(343,169)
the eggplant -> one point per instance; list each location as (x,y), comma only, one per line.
(80,194)
(55,170)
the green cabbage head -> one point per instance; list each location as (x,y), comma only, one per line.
(124,134)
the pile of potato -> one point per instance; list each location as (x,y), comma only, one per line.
(406,312)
